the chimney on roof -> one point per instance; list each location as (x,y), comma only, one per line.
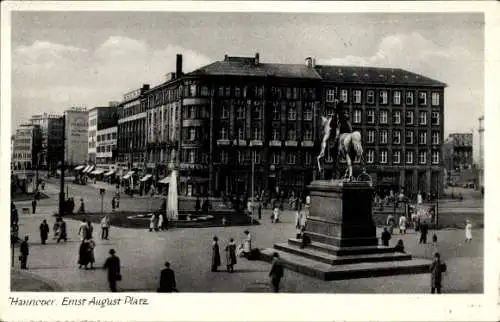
(178,66)
(226,57)
(313,62)
(257,58)
(145,87)
(169,76)
(309,62)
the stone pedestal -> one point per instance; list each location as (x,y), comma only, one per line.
(343,237)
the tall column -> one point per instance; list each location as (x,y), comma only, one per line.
(402,179)
(415,187)
(428,182)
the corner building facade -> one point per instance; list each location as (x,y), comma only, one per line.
(212,123)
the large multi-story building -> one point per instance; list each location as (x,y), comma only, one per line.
(131,144)
(76,136)
(100,118)
(211,123)
(51,127)
(106,146)
(27,147)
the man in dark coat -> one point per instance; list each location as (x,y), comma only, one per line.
(112,264)
(24,249)
(386,236)
(424,229)
(62,231)
(167,280)
(33,205)
(276,273)
(437,268)
(44,231)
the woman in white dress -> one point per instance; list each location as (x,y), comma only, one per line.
(276,215)
(402,225)
(468,231)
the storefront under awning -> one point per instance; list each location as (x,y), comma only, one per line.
(165,180)
(109,173)
(128,175)
(146,177)
(79,167)
(97,171)
(90,168)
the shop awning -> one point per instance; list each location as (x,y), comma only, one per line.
(90,168)
(97,171)
(146,177)
(79,167)
(128,175)
(165,180)
(85,169)
(109,173)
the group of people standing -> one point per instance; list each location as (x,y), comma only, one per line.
(232,251)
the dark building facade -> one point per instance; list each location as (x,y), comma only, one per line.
(458,151)
(51,128)
(400,116)
(213,123)
(131,142)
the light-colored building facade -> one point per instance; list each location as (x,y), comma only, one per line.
(100,118)
(76,133)
(106,146)
(26,147)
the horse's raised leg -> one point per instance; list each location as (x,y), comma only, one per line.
(319,163)
(349,166)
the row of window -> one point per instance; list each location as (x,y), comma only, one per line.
(396,137)
(131,110)
(106,137)
(396,117)
(257,112)
(106,148)
(257,134)
(21,156)
(383,157)
(356,97)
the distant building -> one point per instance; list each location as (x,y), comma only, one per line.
(481,152)
(51,127)
(458,151)
(131,144)
(27,147)
(100,118)
(106,146)
(76,134)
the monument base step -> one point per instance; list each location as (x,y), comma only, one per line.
(343,251)
(329,272)
(321,256)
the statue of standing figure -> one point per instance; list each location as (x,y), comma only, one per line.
(347,144)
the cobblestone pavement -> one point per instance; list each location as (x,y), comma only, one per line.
(143,253)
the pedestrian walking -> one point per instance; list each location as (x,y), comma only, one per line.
(197,205)
(105,227)
(91,254)
(468,231)
(62,231)
(90,230)
(434,240)
(424,230)
(81,210)
(82,229)
(247,244)
(113,204)
(160,221)
(151,222)
(112,265)
(83,254)
(24,249)
(276,273)
(402,225)
(437,268)
(44,231)
(230,255)
(275,217)
(33,205)
(390,223)
(385,237)
(215,254)
(56,229)
(167,280)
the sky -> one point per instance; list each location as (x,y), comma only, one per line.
(64,59)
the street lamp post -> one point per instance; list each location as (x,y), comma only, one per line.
(61,190)
(102,192)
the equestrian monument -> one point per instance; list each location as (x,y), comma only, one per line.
(339,240)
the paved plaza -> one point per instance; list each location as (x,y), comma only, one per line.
(143,253)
